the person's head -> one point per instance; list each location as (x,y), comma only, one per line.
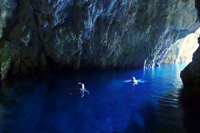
(80,85)
(133,79)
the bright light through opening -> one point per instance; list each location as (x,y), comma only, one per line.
(182,50)
(188,46)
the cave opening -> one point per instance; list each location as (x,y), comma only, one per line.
(105,43)
(183,49)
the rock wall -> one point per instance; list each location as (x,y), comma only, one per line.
(191,74)
(37,35)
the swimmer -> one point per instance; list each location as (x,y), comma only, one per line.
(81,89)
(133,79)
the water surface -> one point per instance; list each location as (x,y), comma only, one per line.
(44,105)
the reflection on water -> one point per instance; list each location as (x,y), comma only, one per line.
(36,105)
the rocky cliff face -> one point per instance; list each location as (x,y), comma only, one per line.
(82,34)
(191,74)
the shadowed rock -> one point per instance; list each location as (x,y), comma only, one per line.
(38,35)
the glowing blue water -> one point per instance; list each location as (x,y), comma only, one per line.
(35,105)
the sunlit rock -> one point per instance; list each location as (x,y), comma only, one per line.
(183,49)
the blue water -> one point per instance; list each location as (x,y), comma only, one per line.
(44,105)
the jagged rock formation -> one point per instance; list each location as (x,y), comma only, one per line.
(191,74)
(82,34)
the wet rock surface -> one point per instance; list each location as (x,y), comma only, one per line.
(82,34)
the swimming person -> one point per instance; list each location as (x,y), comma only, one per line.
(81,89)
(133,79)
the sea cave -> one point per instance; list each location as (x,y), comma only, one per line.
(90,66)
